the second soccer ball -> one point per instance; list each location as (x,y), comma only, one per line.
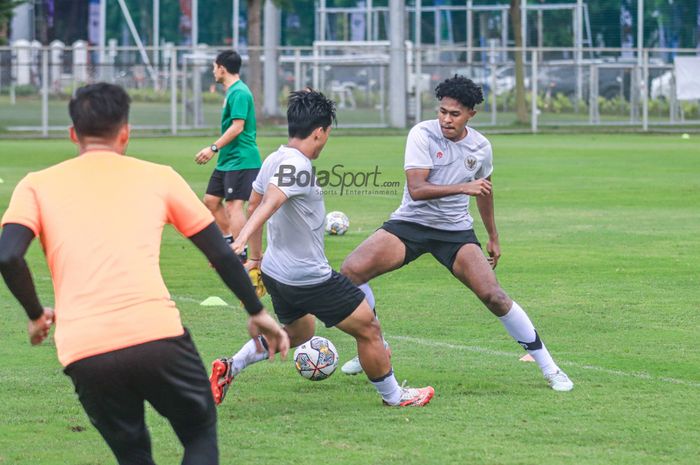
(337,223)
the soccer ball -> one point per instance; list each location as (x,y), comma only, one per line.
(316,359)
(337,223)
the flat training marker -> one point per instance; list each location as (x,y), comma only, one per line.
(213,301)
(527,358)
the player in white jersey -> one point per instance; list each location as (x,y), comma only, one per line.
(446,163)
(295,269)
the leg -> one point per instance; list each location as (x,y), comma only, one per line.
(113,407)
(213,203)
(175,382)
(236,216)
(472,269)
(378,254)
(364,327)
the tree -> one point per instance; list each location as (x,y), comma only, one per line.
(6,12)
(521,111)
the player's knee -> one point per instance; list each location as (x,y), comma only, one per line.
(212,203)
(352,270)
(371,330)
(496,300)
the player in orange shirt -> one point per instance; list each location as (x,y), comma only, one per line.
(100,218)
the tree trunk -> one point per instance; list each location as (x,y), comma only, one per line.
(254,75)
(521,109)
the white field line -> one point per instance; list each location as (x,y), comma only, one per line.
(499,353)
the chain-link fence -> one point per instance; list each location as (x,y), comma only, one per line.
(563,86)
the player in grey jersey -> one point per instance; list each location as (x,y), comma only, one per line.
(446,163)
(294,269)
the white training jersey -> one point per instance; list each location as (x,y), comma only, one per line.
(294,254)
(449,163)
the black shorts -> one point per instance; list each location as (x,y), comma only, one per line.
(232,185)
(330,301)
(169,374)
(419,239)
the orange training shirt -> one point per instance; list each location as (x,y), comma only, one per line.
(100,218)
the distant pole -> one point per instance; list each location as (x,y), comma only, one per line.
(156,32)
(640,31)
(397,64)
(103,32)
(236,21)
(419,61)
(195,23)
(271,41)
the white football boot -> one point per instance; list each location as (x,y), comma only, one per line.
(559,381)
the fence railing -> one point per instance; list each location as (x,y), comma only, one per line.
(176,93)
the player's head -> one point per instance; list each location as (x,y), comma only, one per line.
(458,97)
(100,112)
(226,62)
(310,116)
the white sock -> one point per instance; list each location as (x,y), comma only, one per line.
(521,329)
(246,356)
(388,388)
(369,295)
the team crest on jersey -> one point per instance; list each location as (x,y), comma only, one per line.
(470,162)
(439,154)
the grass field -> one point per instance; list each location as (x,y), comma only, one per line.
(600,245)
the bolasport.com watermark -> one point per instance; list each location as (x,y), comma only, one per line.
(338,180)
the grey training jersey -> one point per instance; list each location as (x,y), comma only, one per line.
(449,163)
(294,254)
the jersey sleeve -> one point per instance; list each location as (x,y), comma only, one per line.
(293,176)
(417,153)
(184,209)
(486,165)
(259,184)
(239,104)
(24,207)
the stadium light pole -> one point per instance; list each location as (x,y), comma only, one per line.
(397,64)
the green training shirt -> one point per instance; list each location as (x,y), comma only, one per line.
(242,152)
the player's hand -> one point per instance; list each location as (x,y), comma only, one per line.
(39,329)
(204,156)
(238,245)
(478,187)
(277,339)
(252,265)
(494,250)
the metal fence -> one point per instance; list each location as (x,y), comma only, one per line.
(178,95)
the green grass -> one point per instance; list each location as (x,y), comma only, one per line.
(600,245)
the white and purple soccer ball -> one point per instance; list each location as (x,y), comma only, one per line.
(316,359)
(337,223)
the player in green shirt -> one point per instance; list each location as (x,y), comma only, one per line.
(238,159)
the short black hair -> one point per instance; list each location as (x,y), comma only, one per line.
(307,110)
(99,110)
(462,89)
(229,59)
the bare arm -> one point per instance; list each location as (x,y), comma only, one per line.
(421,189)
(229,135)
(271,202)
(486,210)
(255,240)
(14,242)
